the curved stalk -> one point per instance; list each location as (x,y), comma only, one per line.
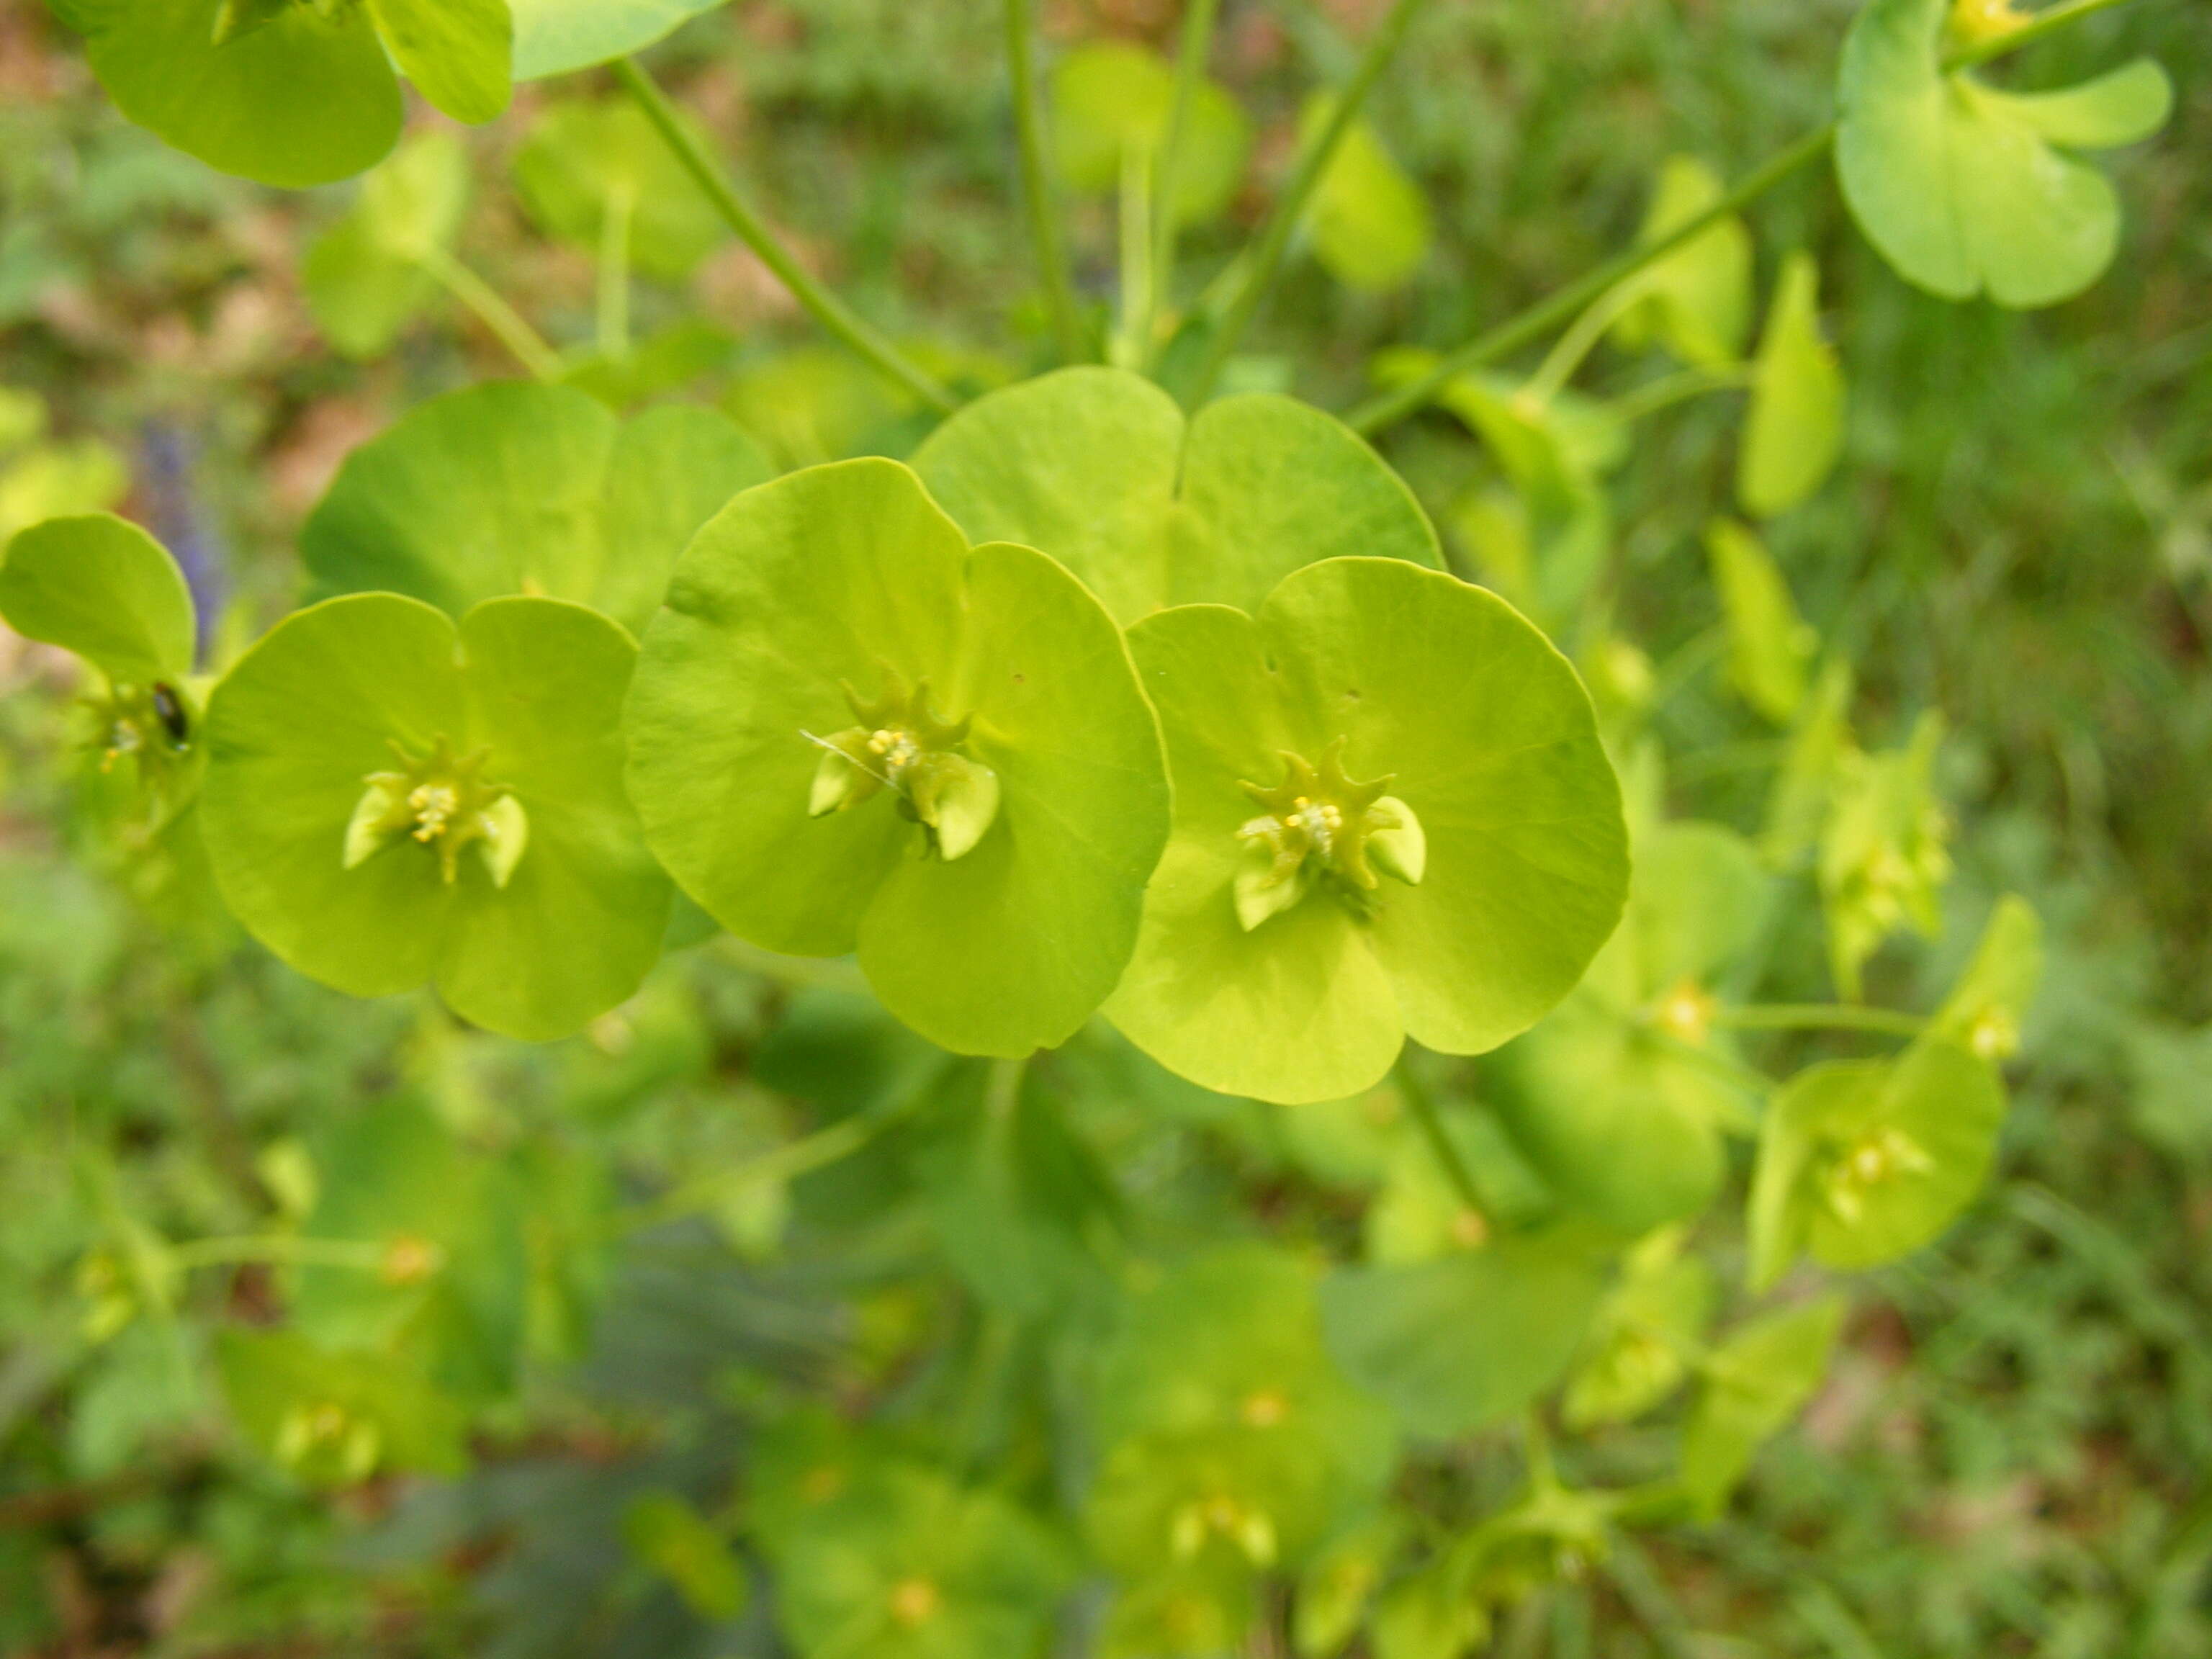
(1312,161)
(1538,319)
(1423,1105)
(1167,179)
(525,343)
(1818,1016)
(285,1249)
(1541,319)
(859,336)
(1041,200)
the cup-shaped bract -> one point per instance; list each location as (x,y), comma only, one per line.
(102,587)
(293,92)
(1099,468)
(851,731)
(392,800)
(1372,675)
(1621,1097)
(1965,188)
(515,488)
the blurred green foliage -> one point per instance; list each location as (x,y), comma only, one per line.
(2008,1455)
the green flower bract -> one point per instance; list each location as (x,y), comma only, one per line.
(526,691)
(812,597)
(1485,734)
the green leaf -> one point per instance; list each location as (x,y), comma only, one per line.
(1696,300)
(1099,468)
(1882,857)
(1542,541)
(58,479)
(668,1535)
(904,1564)
(1963,188)
(848,575)
(1484,732)
(1233,1339)
(1339,1583)
(1755,1382)
(1819,747)
(1795,430)
(1018,1200)
(1771,647)
(1639,1349)
(558,37)
(2168,1105)
(306,716)
(1985,1009)
(455,52)
(301,100)
(1111,98)
(100,586)
(1862,1162)
(335,1419)
(450,1274)
(1232,1441)
(1621,1097)
(1471,1339)
(363,276)
(515,487)
(1368,222)
(582,161)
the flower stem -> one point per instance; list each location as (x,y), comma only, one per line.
(1423,1105)
(526,345)
(1671,389)
(283,1247)
(1818,1016)
(789,1162)
(1140,280)
(1541,319)
(1037,193)
(1198,19)
(614,275)
(2049,20)
(847,325)
(1538,319)
(1267,263)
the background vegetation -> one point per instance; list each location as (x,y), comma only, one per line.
(2009,1456)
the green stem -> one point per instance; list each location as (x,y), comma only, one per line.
(823,1147)
(1817,1017)
(526,345)
(845,324)
(1002,1090)
(614,274)
(2047,21)
(1671,389)
(1133,340)
(1423,1105)
(283,1247)
(1198,19)
(1290,208)
(1541,319)
(802,973)
(1558,367)
(1037,193)
(1538,319)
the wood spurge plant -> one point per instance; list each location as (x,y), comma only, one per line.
(1255,1009)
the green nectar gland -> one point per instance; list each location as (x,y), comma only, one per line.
(900,744)
(1323,829)
(149,725)
(1872,1161)
(444,804)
